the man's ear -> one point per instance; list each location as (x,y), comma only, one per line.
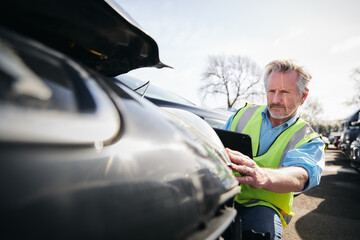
(304,96)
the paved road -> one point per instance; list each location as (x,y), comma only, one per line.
(331,210)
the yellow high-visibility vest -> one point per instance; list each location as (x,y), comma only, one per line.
(248,121)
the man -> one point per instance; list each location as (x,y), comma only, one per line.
(288,154)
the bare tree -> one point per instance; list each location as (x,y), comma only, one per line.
(234,77)
(311,111)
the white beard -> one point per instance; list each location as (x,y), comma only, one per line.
(283,115)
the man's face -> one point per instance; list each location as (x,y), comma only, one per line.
(283,98)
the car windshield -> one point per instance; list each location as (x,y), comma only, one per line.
(151,91)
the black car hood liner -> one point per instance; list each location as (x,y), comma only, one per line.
(92,32)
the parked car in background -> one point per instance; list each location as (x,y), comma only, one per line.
(350,132)
(355,152)
(334,136)
(84,158)
(334,139)
(164,98)
(337,141)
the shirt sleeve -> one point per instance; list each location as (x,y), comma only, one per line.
(227,126)
(310,156)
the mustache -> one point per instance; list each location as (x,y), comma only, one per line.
(277,105)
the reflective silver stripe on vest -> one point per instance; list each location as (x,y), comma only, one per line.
(243,120)
(304,131)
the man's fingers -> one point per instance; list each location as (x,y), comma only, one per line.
(233,152)
(245,180)
(245,170)
(239,168)
(239,158)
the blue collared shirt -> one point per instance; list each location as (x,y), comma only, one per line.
(310,156)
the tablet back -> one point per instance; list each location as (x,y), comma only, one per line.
(236,141)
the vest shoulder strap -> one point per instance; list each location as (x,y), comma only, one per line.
(243,116)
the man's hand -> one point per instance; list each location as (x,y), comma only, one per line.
(252,174)
(282,180)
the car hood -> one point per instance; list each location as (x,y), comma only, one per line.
(98,33)
(203,131)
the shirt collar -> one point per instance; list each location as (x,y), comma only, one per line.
(290,122)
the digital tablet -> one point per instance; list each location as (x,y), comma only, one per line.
(236,141)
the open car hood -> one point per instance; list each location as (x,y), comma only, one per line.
(98,33)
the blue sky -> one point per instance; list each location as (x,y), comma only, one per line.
(322,35)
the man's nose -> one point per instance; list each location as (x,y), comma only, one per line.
(277,97)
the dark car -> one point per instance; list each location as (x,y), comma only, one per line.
(165,98)
(355,152)
(355,148)
(334,138)
(84,158)
(350,132)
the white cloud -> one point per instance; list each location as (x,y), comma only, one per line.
(345,45)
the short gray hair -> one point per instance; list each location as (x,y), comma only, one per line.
(304,76)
